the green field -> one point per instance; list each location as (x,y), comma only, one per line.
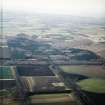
(18,55)
(6,72)
(86,70)
(93,85)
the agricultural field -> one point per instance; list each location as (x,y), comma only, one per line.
(94,33)
(6,101)
(53,99)
(93,85)
(37,70)
(42,84)
(4,52)
(94,89)
(6,72)
(18,55)
(7,80)
(90,79)
(85,70)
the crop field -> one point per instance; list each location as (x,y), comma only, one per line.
(6,72)
(93,85)
(42,83)
(37,70)
(5,84)
(85,70)
(6,101)
(18,55)
(53,99)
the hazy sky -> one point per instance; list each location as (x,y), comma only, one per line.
(73,7)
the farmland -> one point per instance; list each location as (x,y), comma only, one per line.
(6,72)
(94,89)
(85,70)
(36,70)
(57,99)
(93,85)
(42,83)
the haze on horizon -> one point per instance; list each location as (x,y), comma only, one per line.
(91,8)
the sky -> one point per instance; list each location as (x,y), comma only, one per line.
(72,7)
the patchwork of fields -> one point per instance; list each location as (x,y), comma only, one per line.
(95,76)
